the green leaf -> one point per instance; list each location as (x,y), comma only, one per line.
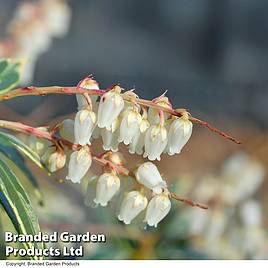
(17,159)
(3,65)
(10,140)
(17,205)
(9,74)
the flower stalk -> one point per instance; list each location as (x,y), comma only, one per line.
(101,160)
(42,91)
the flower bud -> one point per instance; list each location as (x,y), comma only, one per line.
(157,209)
(110,137)
(107,186)
(117,158)
(82,102)
(80,162)
(148,175)
(155,142)
(179,133)
(54,160)
(129,127)
(137,144)
(84,124)
(110,106)
(67,130)
(38,145)
(133,203)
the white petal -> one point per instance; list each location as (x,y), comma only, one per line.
(110,137)
(110,106)
(137,144)
(107,186)
(153,114)
(148,175)
(179,133)
(157,209)
(53,160)
(133,203)
(81,100)
(79,164)
(155,142)
(129,127)
(83,126)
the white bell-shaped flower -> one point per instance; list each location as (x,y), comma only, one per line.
(67,130)
(110,106)
(82,101)
(157,209)
(110,137)
(148,175)
(53,160)
(107,186)
(79,164)
(133,203)
(155,142)
(153,114)
(137,144)
(84,124)
(179,133)
(130,125)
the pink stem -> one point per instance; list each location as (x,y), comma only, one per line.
(42,91)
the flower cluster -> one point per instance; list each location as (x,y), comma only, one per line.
(38,21)
(149,196)
(150,132)
(235,223)
(118,117)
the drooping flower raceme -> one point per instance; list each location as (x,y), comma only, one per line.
(110,106)
(133,203)
(120,118)
(84,124)
(148,175)
(107,186)
(157,209)
(129,128)
(155,142)
(179,133)
(80,162)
